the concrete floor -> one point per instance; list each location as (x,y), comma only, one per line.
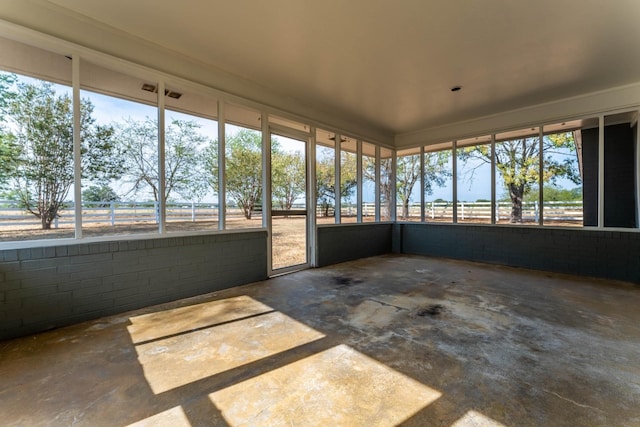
(382,341)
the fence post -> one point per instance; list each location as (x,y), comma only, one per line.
(55,222)
(462,210)
(536,212)
(193,211)
(433,210)
(497,212)
(113,213)
(156,209)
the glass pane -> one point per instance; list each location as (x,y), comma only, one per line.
(191,161)
(36,144)
(562,187)
(438,188)
(408,184)
(386,190)
(368,182)
(289,202)
(243,173)
(124,198)
(474,180)
(348,180)
(325,177)
(518,177)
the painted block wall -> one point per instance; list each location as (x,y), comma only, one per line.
(348,242)
(47,287)
(607,254)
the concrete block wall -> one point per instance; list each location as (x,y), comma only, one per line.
(596,253)
(347,242)
(47,287)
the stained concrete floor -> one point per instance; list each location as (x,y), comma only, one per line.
(391,340)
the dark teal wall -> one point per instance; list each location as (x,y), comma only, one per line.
(47,287)
(608,254)
(340,243)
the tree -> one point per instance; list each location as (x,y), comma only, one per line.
(243,169)
(408,175)
(44,171)
(102,193)
(183,143)
(517,161)
(288,177)
(326,181)
(10,152)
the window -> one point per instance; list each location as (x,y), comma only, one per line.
(37,181)
(438,183)
(386,184)
(191,160)
(408,184)
(123,128)
(474,180)
(517,163)
(368,182)
(563,171)
(348,180)
(243,168)
(325,177)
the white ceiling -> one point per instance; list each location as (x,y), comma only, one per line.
(392,63)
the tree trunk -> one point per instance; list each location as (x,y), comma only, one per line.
(405,209)
(247,211)
(46,223)
(516,193)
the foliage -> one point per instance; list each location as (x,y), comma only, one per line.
(243,169)
(102,193)
(43,129)
(408,175)
(288,171)
(518,163)
(326,181)
(555,194)
(182,157)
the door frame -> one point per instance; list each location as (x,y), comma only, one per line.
(306,138)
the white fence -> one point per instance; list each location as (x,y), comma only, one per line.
(112,213)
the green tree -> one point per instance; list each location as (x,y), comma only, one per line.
(243,169)
(102,193)
(10,152)
(518,160)
(408,175)
(43,128)
(288,177)
(326,181)
(183,143)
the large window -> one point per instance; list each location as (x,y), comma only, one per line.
(368,182)
(386,184)
(37,181)
(348,180)
(122,132)
(438,183)
(243,168)
(517,163)
(325,177)
(474,180)
(563,171)
(408,184)
(191,160)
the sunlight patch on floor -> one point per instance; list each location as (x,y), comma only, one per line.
(165,323)
(187,357)
(174,417)
(476,419)
(339,386)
